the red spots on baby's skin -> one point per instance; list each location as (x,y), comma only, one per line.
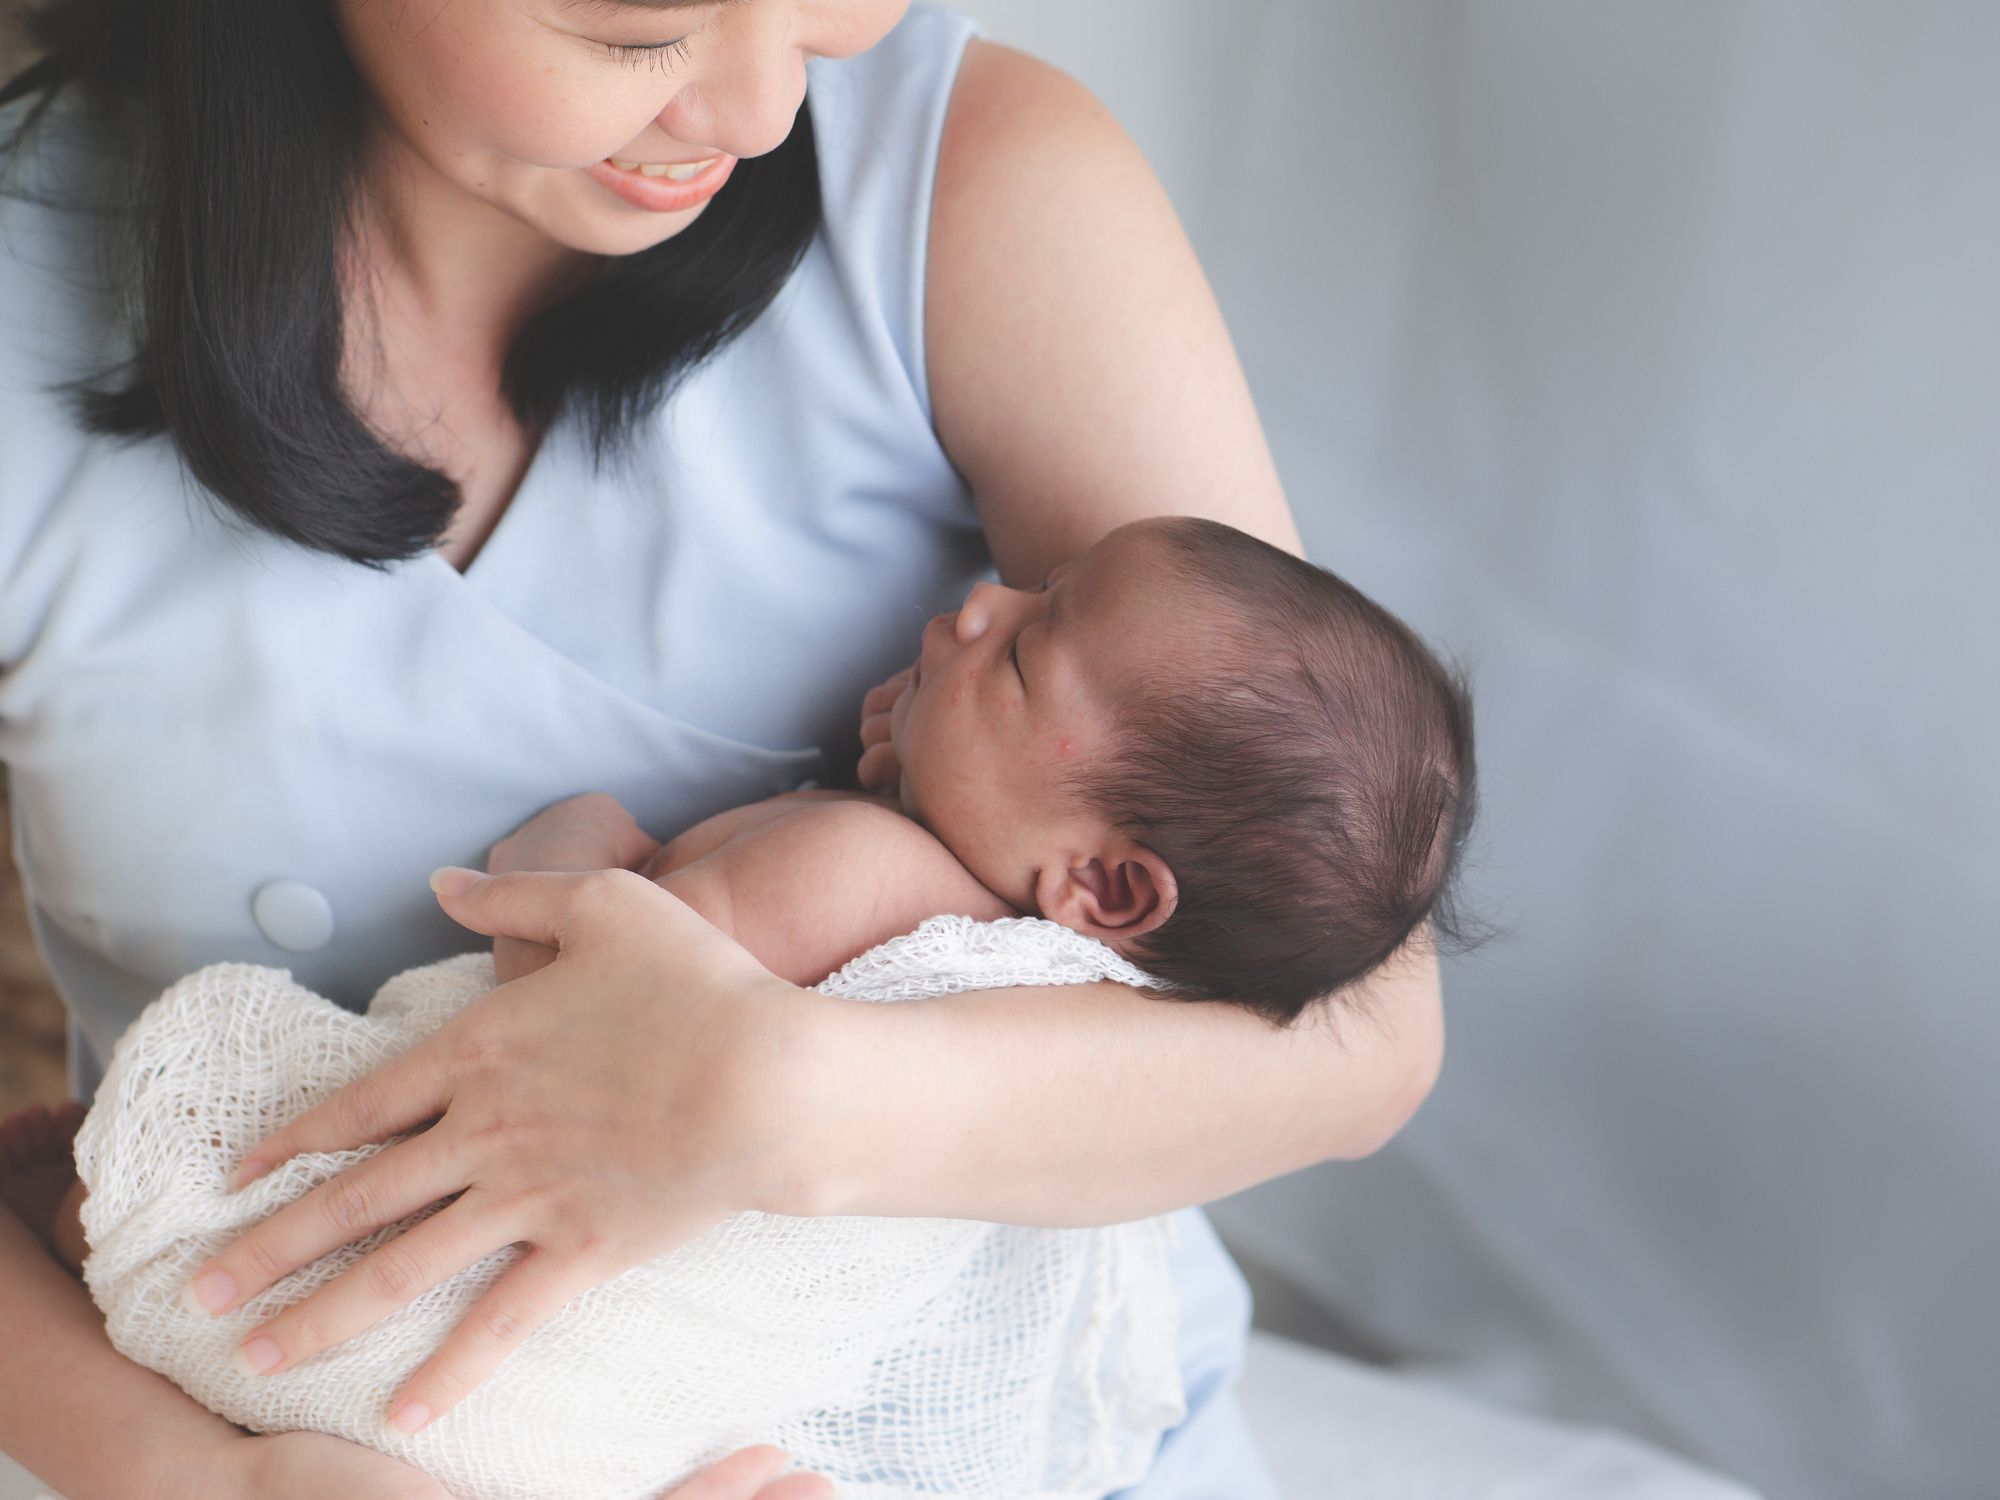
(1065,748)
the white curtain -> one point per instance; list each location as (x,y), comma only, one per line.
(1646,356)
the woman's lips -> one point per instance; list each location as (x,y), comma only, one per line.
(659,194)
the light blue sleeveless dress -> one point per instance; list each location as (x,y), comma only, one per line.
(223,746)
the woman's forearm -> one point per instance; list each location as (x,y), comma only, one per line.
(1096,1104)
(75,1411)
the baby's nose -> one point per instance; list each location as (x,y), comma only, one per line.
(977,612)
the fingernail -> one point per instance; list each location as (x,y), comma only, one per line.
(411,1416)
(209,1292)
(454,880)
(258,1355)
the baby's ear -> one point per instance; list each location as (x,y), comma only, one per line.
(1115,897)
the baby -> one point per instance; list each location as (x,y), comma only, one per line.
(1220,761)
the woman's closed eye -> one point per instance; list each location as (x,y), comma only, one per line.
(659,54)
(1014,647)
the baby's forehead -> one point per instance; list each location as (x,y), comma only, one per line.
(1142,567)
(1151,611)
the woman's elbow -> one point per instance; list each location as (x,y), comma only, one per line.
(1407,1067)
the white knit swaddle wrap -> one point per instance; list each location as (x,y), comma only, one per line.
(906,1359)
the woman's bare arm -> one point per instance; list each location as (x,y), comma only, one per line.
(1095,1104)
(75,1411)
(1081,377)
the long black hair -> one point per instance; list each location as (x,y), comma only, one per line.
(239,120)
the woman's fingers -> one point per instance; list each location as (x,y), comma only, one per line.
(737,1477)
(746,1475)
(797,1487)
(389,1186)
(387,1278)
(543,906)
(401,1094)
(533,1290)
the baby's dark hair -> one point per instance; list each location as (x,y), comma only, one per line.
(1309,781)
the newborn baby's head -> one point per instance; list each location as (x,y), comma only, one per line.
(1222,761)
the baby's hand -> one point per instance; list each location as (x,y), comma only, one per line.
(878,771)
(589,832)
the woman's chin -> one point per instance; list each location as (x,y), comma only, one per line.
(579,215)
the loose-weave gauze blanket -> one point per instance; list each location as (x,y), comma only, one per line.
(905,1359)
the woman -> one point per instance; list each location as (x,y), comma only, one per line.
(412,281)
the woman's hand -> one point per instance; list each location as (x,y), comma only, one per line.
(878,770)
(589,832)
(318,1466)
(604,1111)
(746,1475)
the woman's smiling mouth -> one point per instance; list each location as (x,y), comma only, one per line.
(654,187)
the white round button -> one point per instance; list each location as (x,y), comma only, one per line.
(293,915)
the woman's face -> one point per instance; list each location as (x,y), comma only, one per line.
(529,105)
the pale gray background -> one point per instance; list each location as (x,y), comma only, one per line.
(1646,355)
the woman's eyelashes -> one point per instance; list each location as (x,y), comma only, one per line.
(657,54)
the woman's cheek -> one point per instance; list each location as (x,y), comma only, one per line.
(550,121)
(540,97)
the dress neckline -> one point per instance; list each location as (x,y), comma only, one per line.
(488,561)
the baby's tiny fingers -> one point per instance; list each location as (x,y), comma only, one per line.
(877,768)
(875,729)
(883,694)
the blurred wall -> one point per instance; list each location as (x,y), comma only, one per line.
(1645,355)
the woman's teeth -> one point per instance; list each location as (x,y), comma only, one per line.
(673,171)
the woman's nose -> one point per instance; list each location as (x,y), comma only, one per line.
(751,92)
